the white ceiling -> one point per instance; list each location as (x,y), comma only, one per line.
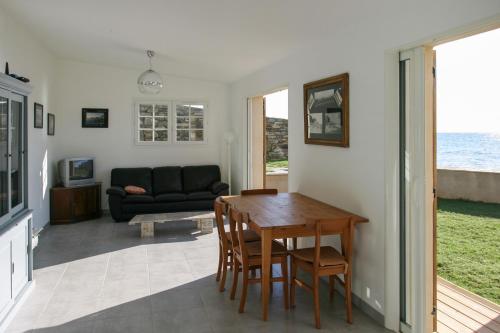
(220,40)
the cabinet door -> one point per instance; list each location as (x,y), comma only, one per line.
(92,200)
(80,202)
(19,241)
(5,282)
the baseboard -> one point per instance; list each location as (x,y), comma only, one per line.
(360,304)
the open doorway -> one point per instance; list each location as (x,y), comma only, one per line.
(468,184)
(268,141)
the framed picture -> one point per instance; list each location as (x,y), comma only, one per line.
(51,124)
(326,111)
(94,118)
(38,115)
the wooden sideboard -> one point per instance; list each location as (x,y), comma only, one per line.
(74,204)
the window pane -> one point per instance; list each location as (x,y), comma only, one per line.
(16,168)
(145,135)
(161,111)
(183,122)
(145,122)
(182,135)
(196,135)
(197,110)
(4,203)
(161,135)
(197,123)
(182,110)
(161,122)
(145,110)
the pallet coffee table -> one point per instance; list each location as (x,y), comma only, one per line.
(204,221)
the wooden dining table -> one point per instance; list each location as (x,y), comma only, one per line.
(285,215)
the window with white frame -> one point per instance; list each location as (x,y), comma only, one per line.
(152,120)
(190,122)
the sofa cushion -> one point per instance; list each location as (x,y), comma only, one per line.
(170,197)
(167,180)
(132,176)
(138,198)
(202,195)
(199,178)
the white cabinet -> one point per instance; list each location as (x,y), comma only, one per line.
(5,276)
(19,253)
(15,263)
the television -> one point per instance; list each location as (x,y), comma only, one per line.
(76,171)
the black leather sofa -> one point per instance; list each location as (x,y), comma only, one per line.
(168,189)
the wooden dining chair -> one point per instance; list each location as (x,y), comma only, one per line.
(225,243)
(259,191)
(325,261)
(249,256)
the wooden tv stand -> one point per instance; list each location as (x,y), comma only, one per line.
(74,204)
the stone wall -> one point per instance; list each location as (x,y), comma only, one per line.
(468,185)
(277,139)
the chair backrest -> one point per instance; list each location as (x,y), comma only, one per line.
(259,191)
(236,226)
(220,208)
(343,227)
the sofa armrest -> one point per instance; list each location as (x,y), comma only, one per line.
(116,190)
(219,187)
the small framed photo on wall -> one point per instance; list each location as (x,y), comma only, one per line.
(51,124)
(38,115)
(326,111)
(94,118)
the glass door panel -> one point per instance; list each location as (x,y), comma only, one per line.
(16,148)
(4,155)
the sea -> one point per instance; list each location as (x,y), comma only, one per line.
(469,151)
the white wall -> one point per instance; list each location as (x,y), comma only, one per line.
(28,57)
(351,178)
(82,85)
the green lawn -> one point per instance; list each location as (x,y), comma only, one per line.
(271,165)
(468,238)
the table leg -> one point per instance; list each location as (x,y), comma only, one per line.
(147,229)
(266,237)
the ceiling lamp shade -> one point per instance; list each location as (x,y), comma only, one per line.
(150,82)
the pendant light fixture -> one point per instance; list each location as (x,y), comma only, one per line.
(150,82)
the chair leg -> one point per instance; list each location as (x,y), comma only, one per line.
(222,284)
(244,290)
(236,270)
(271,280)
(231,261)
(284,273)
(293,274)
(348,297)
(219,267)
(332,286)
(316,301)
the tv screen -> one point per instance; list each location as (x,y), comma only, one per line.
(81,169)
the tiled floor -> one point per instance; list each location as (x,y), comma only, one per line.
(100,276)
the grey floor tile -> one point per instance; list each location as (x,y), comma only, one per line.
(100,276)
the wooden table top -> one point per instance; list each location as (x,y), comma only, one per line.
(286,210)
